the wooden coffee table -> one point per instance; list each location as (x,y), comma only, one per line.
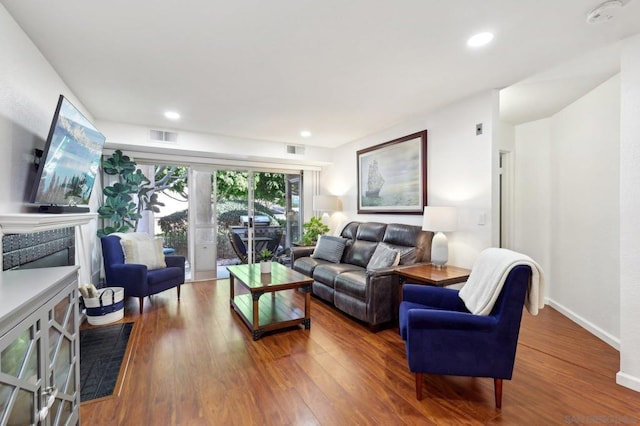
(276,312)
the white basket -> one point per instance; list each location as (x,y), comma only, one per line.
(108,307)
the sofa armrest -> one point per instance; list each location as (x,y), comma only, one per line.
(303,251)
(436,297)
(381,272)
(400,267)
(382,295)
(175,261)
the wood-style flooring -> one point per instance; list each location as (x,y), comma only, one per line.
(194,363)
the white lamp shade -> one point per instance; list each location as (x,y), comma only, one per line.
(326,203)
(440,219)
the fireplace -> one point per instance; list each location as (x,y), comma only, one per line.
(42,249)
(79,251)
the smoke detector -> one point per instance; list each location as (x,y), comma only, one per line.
(605,11)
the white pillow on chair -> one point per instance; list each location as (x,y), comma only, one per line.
(144,252)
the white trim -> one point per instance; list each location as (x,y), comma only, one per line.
(589,326)
(216,159)
(628,381)
(24,223)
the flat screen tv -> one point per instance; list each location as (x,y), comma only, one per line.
(69,163)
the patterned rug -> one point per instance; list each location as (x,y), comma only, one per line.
(102,350)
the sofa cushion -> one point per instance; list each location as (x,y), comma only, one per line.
(353,283)
(383,257)
(327,273)
(359,253)
(306,265)
(323,291)
(371,231)
(158,276)
(350,230)
(399,234)
(329,248)
(355,307)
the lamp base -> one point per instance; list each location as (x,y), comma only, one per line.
(439,250)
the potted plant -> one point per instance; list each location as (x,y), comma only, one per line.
(265,257)
(126,198)
(312,230)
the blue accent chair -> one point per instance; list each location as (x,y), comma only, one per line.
(442,337)
(137,280)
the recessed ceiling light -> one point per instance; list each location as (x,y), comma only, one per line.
(480,39)
(172,115)
(305,134)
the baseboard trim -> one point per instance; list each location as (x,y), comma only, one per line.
(589,326)
(628,381)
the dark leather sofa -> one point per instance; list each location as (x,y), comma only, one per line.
(370,296)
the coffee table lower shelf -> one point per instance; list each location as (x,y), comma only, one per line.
(266,312)
(275,312)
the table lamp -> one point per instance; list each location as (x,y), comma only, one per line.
(326,204)
(440,220)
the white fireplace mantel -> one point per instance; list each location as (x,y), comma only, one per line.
(25,223)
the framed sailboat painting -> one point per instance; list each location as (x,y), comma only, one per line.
(392,176)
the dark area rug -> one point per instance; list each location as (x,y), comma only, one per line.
(102,350)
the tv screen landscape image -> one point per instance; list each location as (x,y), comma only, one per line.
(70,161)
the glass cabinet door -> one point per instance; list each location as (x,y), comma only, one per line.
(63,356)
(21,373)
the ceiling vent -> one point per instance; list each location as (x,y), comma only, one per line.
(162,136)
(295,149)
(605,11)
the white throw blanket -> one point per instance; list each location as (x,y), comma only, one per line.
(488,276)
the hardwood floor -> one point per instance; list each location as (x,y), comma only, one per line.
(194,363)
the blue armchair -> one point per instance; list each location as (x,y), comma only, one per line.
(442,337)
(137,280)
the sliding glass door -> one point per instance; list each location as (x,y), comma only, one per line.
(216,217)
(257,211)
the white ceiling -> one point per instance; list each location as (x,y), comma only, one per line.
(343,69)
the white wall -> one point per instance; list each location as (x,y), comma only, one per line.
(532,195)
(29,90)
(459,172)
(585,208)
(629,374)
(568,205)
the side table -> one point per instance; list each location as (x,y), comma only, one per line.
(427,273)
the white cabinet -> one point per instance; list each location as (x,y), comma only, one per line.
(39,347)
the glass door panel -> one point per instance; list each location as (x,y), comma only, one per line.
(166,208)
(234,213)
(293,210)
(256,210)
(202,206)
